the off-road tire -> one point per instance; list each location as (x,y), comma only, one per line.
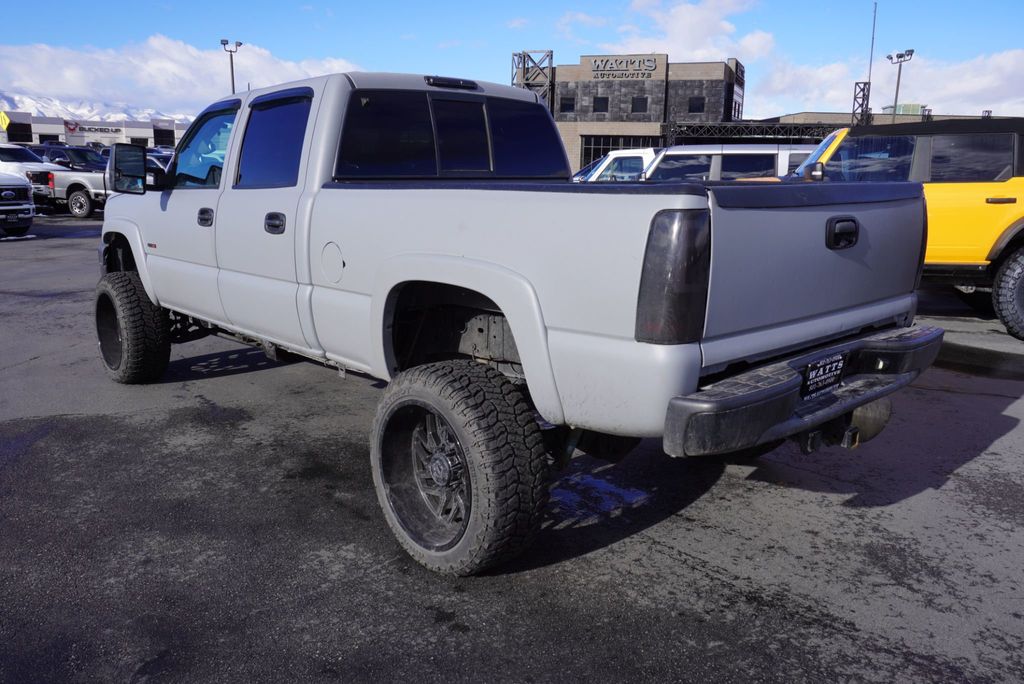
(133,333)
(1008,294)
(15,232)
(505,459)
(80,205)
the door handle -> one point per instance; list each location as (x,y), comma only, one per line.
(1000,200)
(841,232)
(274,222)
(205,217)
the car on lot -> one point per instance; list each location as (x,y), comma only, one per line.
(79,184)
(19,160)
(726,162)
(973,175)
(425,231)
(16,207)
(620,165)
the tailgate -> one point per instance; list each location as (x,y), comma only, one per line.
(777,283)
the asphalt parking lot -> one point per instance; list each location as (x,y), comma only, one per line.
(221,525)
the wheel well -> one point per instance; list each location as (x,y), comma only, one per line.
(117,254)
(1015,243)
(427,322)
(75,187)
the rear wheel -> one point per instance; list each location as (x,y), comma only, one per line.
(1008,294)
(80,204)
(133,333)
(459,466)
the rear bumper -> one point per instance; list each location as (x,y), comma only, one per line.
(764,404)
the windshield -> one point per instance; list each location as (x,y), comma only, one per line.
(85,156)
(872,158)
(18,154)
(816,154)
(585,172)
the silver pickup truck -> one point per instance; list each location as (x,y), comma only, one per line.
(425,231)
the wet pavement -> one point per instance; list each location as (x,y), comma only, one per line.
(221,525)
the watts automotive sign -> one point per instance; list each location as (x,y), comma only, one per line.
(623,67)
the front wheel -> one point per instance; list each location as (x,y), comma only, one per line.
(459,466)
(1008,294)
(80,204)
(133,332)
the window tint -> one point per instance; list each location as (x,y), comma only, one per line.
(272,146)
(623,168)
(387,133)
(567,105)
(600,105)
(57,155)
(974,157)
(639,105)
(201,160)
(461,135)
(747,166)
(526,143)
(683,167)
(796,159)
(18,154)
(872,158)
(696,105)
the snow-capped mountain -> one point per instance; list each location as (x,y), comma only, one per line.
(82,110)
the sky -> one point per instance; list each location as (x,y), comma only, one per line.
(799,55)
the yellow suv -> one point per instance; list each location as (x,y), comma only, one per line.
(973,175)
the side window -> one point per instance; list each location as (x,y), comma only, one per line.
(526,142)
(972,157)
(272,146)
(622,168)
(200,160)
(872,158)
(387,134)
(795,160)
(461,135)
(747,166)
(683,167)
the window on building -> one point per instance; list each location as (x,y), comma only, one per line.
(272,146)
(639,105)
(461,135)
(525,143)
(623,169)
(163,136)
(696,105)
(386,134)
(48,137)
(144,142)
(567,105)
(872,158)
(682,167)
(19,132)
(748,166)
(600,105)
(200,160)
(972,157)
(596,146)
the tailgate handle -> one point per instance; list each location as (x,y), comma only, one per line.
(841,232)
(1000,200)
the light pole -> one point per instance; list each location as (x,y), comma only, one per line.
(224,43)
(901,57)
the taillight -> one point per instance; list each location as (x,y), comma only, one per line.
(674,282)
(49,180)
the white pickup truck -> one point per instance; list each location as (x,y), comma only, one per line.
(425,231)
(16,207)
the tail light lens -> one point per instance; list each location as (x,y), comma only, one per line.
(49,180)
(674,282)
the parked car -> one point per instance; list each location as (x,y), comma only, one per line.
(621,165)
(16,207)
(19,160)
(973,175)
(726,162)
(517,315)
(76,158)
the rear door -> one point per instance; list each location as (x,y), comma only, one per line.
(257,232)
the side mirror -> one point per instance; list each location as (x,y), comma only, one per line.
(814,172)
(63,162)
(126,170)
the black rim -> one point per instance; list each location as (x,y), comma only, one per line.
(426,476)
(108,329)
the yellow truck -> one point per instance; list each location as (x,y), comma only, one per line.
(973,175)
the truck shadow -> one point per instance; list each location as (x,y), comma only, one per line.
(218,365)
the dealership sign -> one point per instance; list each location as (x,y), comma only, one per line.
(623,67)
(75,127)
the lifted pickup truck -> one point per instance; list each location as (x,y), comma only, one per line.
(425,231)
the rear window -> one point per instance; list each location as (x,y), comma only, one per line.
(747,166)
(872,158)
(390,134)
(690,167)
(972,157)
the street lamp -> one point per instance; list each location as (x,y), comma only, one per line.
(900,58)
(224,43)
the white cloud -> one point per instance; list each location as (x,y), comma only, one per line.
(163,73)
(517,23)
(568,22)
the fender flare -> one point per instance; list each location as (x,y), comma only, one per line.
(508,289)
(131,232)
(1005,238)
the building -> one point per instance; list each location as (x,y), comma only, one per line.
(611,102)
(23,127)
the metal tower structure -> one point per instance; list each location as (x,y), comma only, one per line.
(861,108)
(535,70)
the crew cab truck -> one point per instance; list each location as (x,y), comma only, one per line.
(16,207)
(425,231)
(79,184)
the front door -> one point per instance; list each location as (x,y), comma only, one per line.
(257,248)
(180,223)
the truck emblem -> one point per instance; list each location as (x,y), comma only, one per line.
(7,195)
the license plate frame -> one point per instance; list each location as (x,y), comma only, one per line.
(823,375)
(10,217)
